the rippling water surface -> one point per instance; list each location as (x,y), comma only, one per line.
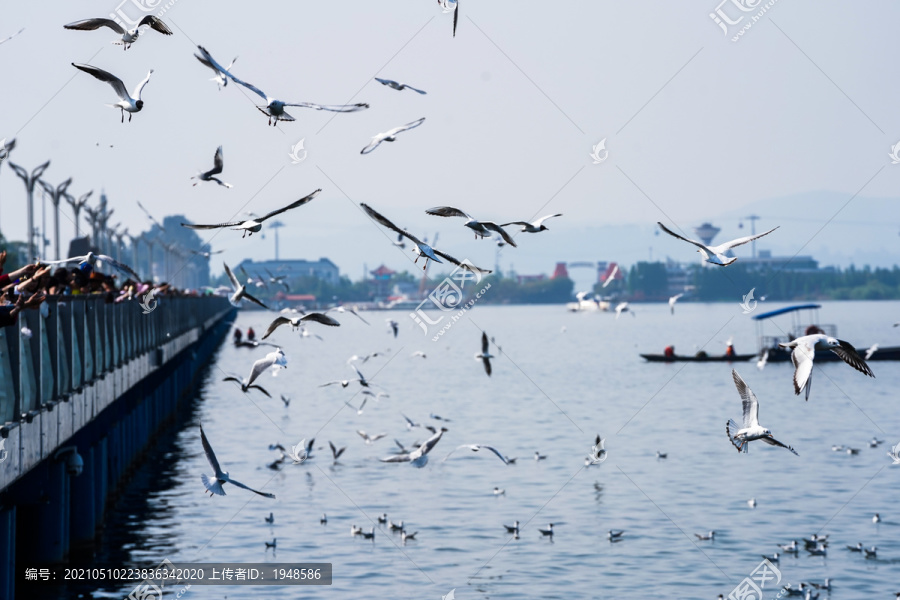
(561,379)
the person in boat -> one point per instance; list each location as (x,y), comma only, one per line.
(813,330)
(729,351)
(669,352)
(251,335)
(238,335)
(701,354)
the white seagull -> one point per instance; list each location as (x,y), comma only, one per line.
(450,6)
(218,165)
(254,225)
(716,254)
(220,78)
(485,356)
(295,322)
(623,307)
(370,438)
(214,486)
(274,108)
(129,36)
(804,351)
(397,85)
(240,290)
(476,448)
(871,350)
(611,277)
(673,300)
(126,102)
(761,363)
(534,226)
(90,261)
(390,135)
(348,309)
(272,359)
(741,437)
(421,248)
(482,229)
(417,457)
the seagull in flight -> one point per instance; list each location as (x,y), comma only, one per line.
(254,225)
(741,437)
(716,254)
(397,85)
(361,379)
(220,477)
(301,451)
(3,41)
(804,351)
(90,261)
(129,36)
(218,165)
(761,363)
(534,226)
(336,452)
(272,359)
(126,102)
(207,254)
(485,356)
(240,290)
(274,108)
(421,249)
(623,307)
(370,438)
(220,78)
(347,309)
(673,300)
(418,457)
(390,135)
(448,6)
(482,229)
(295,322)
(611,277)
(476,448)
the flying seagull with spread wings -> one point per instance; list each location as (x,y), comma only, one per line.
(534,226)
(390,135)
(419,456)
(295,322)
(220,78)
(130,103)
(272,359)
(220,477)
(274,108)
(476,448)
(129,36)
(240,290)
(450,6)
(716,254)
(90,262)
(397,85)
(254,225)
(420,248)
(218,165)
(804,351)
(482,229)
(485,356)
(740,437)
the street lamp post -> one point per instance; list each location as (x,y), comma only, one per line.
(77,205)
(93,217)
(149,242)
(55,195)
(5,149)
(29,181)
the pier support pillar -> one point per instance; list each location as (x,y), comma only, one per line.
(82,512)
(7,551)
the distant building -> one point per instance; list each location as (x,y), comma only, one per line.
(322,269)
(678,278)
(382,281)
(527,278)
(765,260)
(561,272)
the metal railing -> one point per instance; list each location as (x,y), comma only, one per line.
(83,338)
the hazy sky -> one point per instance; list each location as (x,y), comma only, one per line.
(697,126)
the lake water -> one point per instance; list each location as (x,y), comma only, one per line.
(561,379)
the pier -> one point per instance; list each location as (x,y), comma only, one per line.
(83,391)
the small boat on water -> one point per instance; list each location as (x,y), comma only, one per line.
(807,324)
(699,357)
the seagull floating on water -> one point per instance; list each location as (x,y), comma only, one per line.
(716,254)
(482,229)
(539,456)
(126,102)
(397,85)
(804,351)
(390,135)
(271,518)
(214,486)
(218,166)
(614,536)
(514,528)
(498,491)
(421,248)
(129,36)
(254,225)
(711,536)
(548,531)
(274,108)
(751,430)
